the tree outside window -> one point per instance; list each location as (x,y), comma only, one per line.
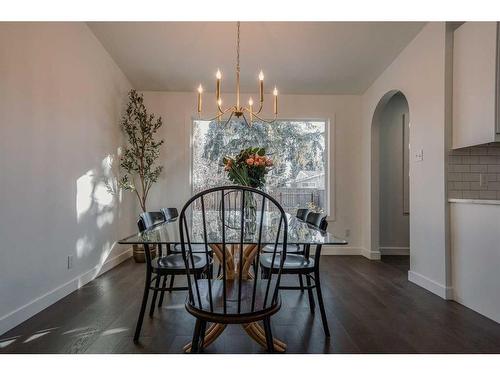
(298,149)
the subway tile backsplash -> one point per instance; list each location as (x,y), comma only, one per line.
(474,172)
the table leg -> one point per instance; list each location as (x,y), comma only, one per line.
(256,332)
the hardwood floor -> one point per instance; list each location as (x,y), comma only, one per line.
(371,307)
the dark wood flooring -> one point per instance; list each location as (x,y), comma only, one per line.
(371,307)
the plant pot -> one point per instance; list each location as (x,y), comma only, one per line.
(139,255)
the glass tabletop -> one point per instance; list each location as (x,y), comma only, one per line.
(299,232)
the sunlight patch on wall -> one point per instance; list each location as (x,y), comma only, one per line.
(107,164)
(102,196)
(95,193)
(83,246)
(105,218)
(84,189)
(119,154)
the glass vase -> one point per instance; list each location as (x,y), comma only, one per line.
(250,214)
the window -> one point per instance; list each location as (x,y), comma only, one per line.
(298,149)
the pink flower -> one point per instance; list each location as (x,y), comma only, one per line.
(250,161)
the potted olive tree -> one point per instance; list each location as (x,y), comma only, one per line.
(138,163)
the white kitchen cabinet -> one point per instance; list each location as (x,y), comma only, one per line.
(475,84)
(475,255)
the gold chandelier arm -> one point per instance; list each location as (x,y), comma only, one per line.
(219,115)
(253,113)
(260,109)
(244,118)
(229,119)
(223,111)
(266,121)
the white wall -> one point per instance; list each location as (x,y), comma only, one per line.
(177,110)
(419,73)
(394,224)
(61,98)
(475,258)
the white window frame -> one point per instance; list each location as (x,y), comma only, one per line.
(330,181)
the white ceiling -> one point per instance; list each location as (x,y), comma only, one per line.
(299,57)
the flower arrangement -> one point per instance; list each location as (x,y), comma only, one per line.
(249,167)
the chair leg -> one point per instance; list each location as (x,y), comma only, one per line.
(203,330)
(171,285)
(310,293)
(210,274)
(269,334)
(321,304)
(301,283)
(162,294)
(143,307)
(155,294)
(264,273)
(196,337)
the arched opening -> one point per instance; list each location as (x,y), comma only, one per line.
(390,176)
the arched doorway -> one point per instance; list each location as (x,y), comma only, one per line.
(390,185)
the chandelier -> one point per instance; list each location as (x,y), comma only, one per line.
(238,110)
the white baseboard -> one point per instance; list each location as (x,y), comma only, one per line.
(372,255)
(442,291)
(340,250)
(391,250)
(345,250)
(19,315)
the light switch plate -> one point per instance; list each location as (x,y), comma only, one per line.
(419,155)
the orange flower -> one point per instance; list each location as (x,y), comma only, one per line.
(250,161)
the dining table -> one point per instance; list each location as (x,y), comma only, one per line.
(299,234)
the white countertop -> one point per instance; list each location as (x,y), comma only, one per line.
(474,201)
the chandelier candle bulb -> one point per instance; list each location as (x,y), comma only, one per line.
(261,86)
(200,90)
(250,105)
(218,75)
(275,93)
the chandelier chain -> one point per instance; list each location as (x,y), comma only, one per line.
(238,48)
